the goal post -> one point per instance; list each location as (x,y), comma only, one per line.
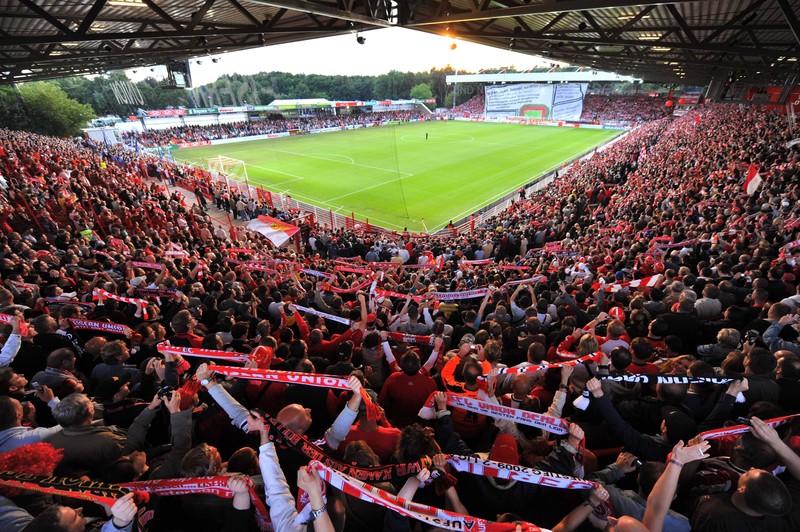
(233,172)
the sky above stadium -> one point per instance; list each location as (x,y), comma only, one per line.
(384,50)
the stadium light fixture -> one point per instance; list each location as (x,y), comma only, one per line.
(215,60)
(360,39)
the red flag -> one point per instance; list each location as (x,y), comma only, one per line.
(752,181)
(276,231)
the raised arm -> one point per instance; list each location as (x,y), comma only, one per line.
(482,308)
(341,426)
(660,499)
(12,345)
(437,349)
(231,406)
(580,513)
(768,434)
(281,504)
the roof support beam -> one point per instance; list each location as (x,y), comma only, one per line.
(546,6)
(160,36)
(593,23)
(163,14)
(199,14)
(47,16)
(325,11)
(682,23)
(741,15)
(553,21)
(629,42)
(632,22)
(91,16)
(249,16)
(791,18)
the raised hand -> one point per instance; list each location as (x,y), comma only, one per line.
(685,454)
(308,480)
(625,462)
(238,484)
(737,386)
(764,432)
(354,384)
(441,400)
(255,423)
(575,435)
(173,402)
(123,511)
(593,385)
(45,395)
(203,372)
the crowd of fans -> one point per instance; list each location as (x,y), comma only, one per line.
(597,109)
(472,108)
(629,110)
(646,258)
(163,137)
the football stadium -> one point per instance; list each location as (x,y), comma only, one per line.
(289,265)
(436,171)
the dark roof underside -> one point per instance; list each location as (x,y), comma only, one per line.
(678,41)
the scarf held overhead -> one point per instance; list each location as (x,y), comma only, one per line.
(293,377)
(554,425)
(420,512)
(107,494)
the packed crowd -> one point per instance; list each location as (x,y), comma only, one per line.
(599,108)
(163,137)
(618,351)
(472,108)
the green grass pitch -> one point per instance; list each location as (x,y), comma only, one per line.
(395,176)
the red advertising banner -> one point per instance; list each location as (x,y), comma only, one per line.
(184,145)
(166,112)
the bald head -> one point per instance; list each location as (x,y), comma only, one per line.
(94,346)
(521,385)
(295,417)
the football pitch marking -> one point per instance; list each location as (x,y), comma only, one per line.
(350,160)
(394,171)
(371,187)
(399,220)
(506,192)
(447,137)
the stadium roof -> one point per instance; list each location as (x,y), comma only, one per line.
(664,41)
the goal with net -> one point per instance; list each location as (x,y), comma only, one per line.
(233,172)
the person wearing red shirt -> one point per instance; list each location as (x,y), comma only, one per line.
(641,353)
(453,367)
(404,393)
(318,346)
(381,438)
(429,364)
(183,324)
(470,425)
